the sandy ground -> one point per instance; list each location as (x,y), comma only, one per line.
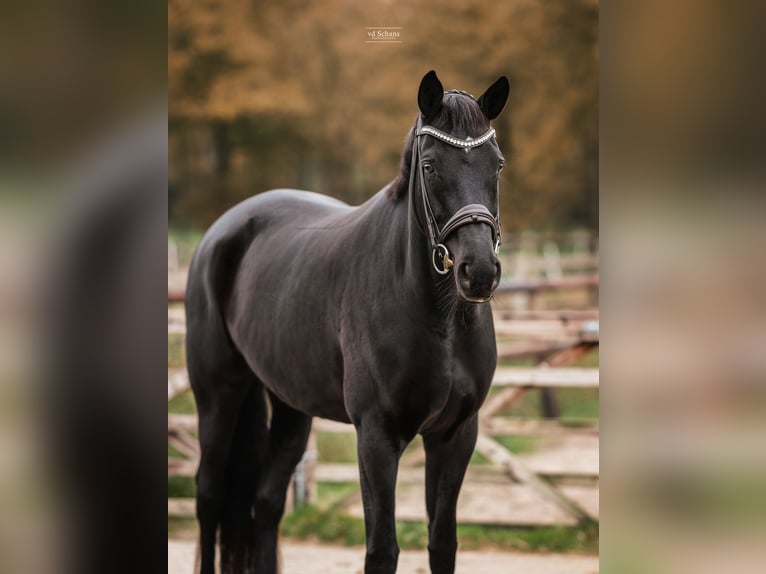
(318,559)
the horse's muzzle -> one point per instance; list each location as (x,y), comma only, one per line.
(477,280)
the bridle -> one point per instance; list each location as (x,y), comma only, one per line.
(471,213)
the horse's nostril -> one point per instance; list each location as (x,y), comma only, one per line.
(463,269)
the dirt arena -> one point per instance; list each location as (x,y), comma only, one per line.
(299,558)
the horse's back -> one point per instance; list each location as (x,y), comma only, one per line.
(269,208)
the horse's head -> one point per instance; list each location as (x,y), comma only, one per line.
(456,160)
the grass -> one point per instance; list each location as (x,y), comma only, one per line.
(336,447)
(331,494)
(185,243)
(581,538)
(183,404)
(178,525)
(176,351)
(173,452)
(311,523)
(330,526)
(518,444)
(181,487)
(575,405)
(478,458)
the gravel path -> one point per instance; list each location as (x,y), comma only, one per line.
(298,558)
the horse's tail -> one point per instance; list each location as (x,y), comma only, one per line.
(232,408)
(237,540)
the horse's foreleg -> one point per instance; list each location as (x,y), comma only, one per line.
(288,435)
(446,463)
(379,451)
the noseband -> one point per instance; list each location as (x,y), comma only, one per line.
(471,213)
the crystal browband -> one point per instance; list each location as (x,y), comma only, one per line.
(457,142)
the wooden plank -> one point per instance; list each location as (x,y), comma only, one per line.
(182,467)
(413,458)
(534,427)
(540,465)
(178,382)
(534,285)
(569,455)
(499,401)
(565,455)
(572,329)
(561,377)
(547,328)
(536,349)
(563,315)
(325,425)
(181,507)
(496,503)
(536,265)
(518,472)
(569,355)
(346,472)
(183,442)
(186,423)
(176,294)
(176,328)
(495,425)
(539,329)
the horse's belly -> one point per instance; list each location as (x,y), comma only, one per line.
(299,370)
(316,397)
(282,323)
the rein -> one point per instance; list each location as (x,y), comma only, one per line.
(471,213)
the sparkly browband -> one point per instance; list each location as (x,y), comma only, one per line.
(453,141)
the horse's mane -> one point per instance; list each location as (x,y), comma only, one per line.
(460,116)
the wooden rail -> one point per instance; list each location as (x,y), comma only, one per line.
(523,377)
(177,294)
(560,341)
(535,285)
(515,381)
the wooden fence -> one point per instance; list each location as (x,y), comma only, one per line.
(553,339)
(513,382)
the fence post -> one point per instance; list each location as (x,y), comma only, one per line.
(304,480)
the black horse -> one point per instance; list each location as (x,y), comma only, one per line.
(298,306)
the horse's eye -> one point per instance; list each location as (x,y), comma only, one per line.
(427,167)
(500,167)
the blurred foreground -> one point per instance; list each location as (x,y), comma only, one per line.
(82,467)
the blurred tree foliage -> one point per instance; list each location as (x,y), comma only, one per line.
(289,94)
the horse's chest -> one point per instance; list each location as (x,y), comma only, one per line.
(453,391)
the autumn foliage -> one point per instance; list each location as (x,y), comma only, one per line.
(291,94)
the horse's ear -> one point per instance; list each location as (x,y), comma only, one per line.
(430,95)
(493,100)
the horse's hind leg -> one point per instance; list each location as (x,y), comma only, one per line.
(232,424)
(288,435)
